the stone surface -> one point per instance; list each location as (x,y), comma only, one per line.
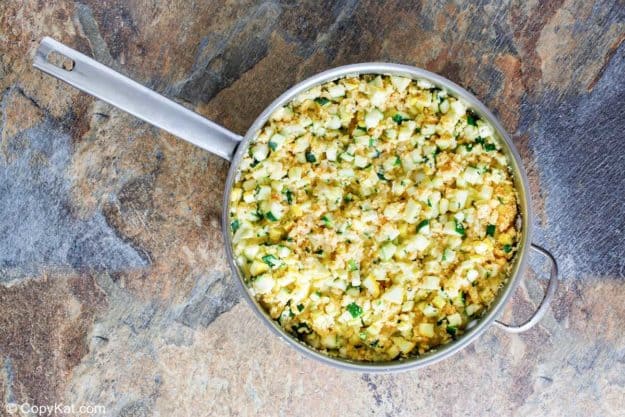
(114,288)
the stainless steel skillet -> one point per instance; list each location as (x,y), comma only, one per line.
(102,82)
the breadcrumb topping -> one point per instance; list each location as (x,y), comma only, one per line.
(374,217)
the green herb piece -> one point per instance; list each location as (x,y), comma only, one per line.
(459,228)
(235,226)
(273,145)
(362,335)
(318,252)
(468,146)
(398,118)
(310,157)
(507,248)
(489,147)
(374,344)
(381,176)
(322,101)
(371,142)
(422,224)
(271,260)
(353,266)
(271,217)
(397,161)
(479,140)
(300,307)
(451,330)
(429,203)
(289,196)
(472,119)
(254,163)
(490,230)
(327,222)
(354,309)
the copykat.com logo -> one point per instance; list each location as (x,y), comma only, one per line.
(56,409)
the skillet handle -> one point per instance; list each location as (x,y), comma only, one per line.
(93,78)
(544,305)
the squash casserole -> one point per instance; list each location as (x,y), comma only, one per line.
(374,217)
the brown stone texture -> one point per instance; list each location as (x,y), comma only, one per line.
(114,288)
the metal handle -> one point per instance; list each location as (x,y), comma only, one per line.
(544,305)
(108,85)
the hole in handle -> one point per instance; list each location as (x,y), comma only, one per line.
(59,60)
